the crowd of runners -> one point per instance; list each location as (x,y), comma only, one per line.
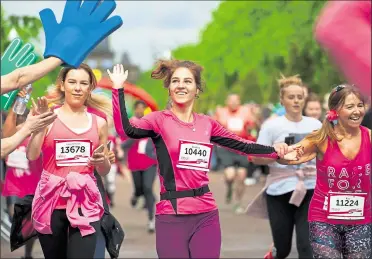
(62,156)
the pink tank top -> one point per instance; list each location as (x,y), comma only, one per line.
(60,131)
(137,157)
(342,193)
(22,176)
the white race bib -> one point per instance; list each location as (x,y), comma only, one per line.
(18,159)
(235,124)
(194,155)
(346,206)
(142,146)
(72,152)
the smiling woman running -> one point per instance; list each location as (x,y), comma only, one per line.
(67,206)
(187,221)
(340,210)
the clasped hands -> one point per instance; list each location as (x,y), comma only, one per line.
(289,153)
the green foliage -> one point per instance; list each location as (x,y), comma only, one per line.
(154,88)
(28,29)
(248,44)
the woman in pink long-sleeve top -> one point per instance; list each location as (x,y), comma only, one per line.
(187,221)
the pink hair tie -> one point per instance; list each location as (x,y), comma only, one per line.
(332,115)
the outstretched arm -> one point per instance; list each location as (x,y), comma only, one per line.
(10,126)
(26,75)
(309,152)
(226,139)
(8,145)
(141,128)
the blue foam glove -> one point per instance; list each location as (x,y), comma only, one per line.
(82,28)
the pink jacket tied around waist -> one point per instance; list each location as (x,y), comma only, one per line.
(80,190)
(258,207)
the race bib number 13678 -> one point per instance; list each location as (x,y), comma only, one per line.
(72,152)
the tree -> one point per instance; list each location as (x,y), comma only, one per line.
(249,43)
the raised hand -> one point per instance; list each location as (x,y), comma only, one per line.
(41,106)
(35,123)
(118,76)
(15,56)
(82,28)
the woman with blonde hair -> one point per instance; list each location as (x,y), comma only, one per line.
(67,206)
(285,198)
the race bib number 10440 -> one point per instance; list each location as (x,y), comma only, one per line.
(194,155)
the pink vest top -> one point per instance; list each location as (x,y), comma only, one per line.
(60,130)
(20,186)
(343,189)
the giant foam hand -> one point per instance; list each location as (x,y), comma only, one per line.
(15,56)
(82,28)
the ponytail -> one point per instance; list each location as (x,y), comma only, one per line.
(163,71)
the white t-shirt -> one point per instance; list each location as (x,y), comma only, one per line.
(275,131)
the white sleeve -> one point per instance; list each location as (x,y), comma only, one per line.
(265,136)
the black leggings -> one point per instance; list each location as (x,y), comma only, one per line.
(283,216)
(143,182)
(66,241)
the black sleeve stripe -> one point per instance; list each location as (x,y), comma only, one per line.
(247,148)
(129,130)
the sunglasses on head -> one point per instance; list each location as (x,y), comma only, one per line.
(338,88)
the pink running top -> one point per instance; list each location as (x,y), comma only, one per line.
(64,184)
(343,186)
(22,176)
(59,130)
(138,160)
(183,151)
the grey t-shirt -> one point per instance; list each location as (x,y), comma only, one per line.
(275,131)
